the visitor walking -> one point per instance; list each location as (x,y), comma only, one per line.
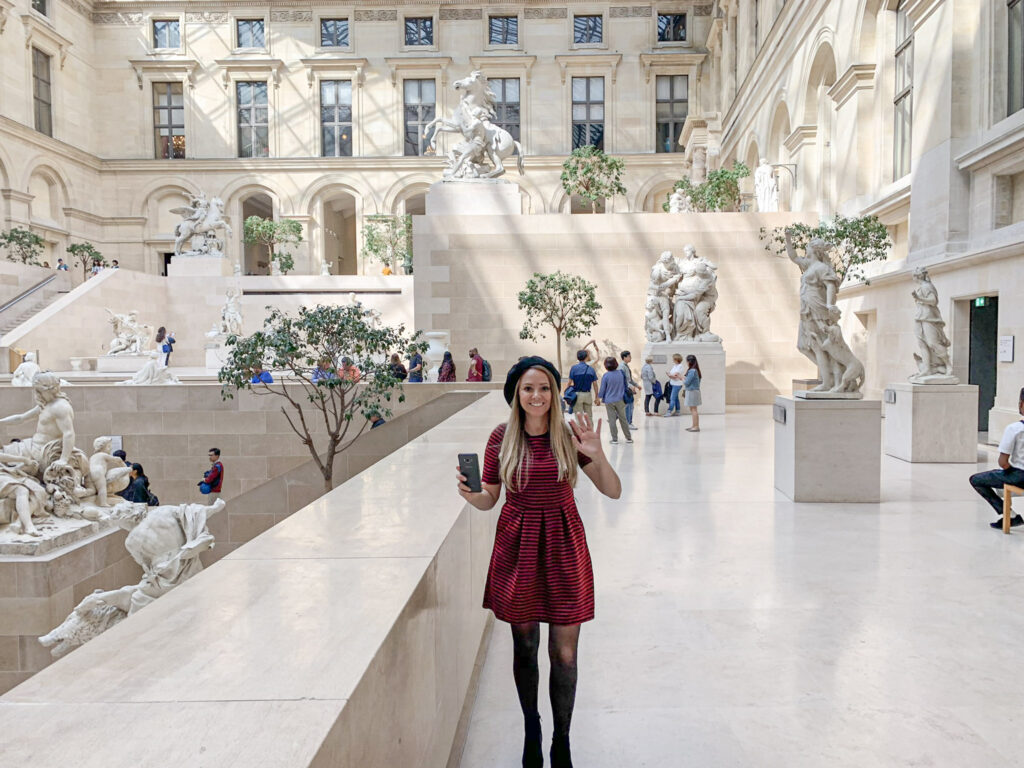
(1011,468)
(476,366)
(61,266)
(613,395)
(415,368)
(649,379)
(631,388)
(675,382)
(397,369)
(447,370)
(691,383)
(166,342)
(138,491)
(213,478)
(583,380)
(540,570)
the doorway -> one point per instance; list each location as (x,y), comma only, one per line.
(165,262)
(983,348)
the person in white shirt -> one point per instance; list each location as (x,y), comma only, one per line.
(1010,472)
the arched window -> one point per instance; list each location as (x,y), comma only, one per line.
(903,100)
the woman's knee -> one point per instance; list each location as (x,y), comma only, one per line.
(564,655)
(526,640)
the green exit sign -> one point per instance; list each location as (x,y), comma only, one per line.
(981,301)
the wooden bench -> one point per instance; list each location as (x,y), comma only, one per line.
(1009,491)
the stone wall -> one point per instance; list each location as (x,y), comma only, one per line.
(471,268)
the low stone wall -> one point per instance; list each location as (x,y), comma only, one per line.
(344,636)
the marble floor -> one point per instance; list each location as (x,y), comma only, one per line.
(737,628)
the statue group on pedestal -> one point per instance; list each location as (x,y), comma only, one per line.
(484,144)
(681,296)
(201,219)
(130,336)
(820,338)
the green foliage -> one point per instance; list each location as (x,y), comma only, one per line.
(87,255)
(719,192)
(277,236)
(22,245)
(326,408)
(566,303)
(855,241)
(388,239)
(593,175)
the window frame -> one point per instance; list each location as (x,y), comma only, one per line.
(153,21)
(353,85)
(1014,96)
(239,48)
(155,126)
(501,104)
(44,11)
(573,122)
(673,119)
(602,43)
(422,142)
(434,25)
(320,47)
(903,98)
(685,42)
(238,118)
(490,44)
(36,101)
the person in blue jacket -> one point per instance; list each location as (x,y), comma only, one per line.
(166,341)
(691,387)
(261,376)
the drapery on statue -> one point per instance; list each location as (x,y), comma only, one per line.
(166,541)
(231,314)
(820,338)
(130,336)
(679,202)
(152,372)
(484,145)
(664,278)
(766,188)
(695,298)
(201,219)
(933,366)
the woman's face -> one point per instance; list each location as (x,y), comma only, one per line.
(135,475)
(535,393)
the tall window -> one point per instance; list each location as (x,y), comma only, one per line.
(904,98)
(166,33)
(168,120)
(1015,51)
(587,29)
(587,112)
(253,119)
(671,27)
(503,30)
(333,33)
(250,33)
(419,31)
(420,102)
(336,118)
(39,5)
(671,105)
(42,99)
(507,106)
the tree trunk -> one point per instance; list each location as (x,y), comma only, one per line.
(558,349)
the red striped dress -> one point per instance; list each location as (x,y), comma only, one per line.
(540,567)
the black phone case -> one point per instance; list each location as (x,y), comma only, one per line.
(469,465)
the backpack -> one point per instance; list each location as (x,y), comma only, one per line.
(153,500)
(486,375)
(656,389)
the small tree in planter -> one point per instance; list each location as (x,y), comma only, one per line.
(855,242)
(87,256)
(277,236)
(388,239)
(22,246)
(315,341)
(719,192)
(593,175)
(566,303)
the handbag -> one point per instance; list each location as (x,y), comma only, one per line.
(205,488)
(656,389)
(570,396)
(627,395)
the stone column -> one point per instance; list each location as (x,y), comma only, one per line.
(728,61)
(746,44)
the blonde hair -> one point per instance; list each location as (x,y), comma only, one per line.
(677,357)
(514,460)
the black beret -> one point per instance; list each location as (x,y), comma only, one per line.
(517,370)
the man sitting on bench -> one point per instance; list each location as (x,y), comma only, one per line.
(1011,471)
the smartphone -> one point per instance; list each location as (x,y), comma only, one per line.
(469,465)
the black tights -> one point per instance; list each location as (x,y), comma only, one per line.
(563,641)
(647,403)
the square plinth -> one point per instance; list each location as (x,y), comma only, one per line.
(932,423)
(121,363)
(199,266)
(828,450)
(474,197)
(711,359)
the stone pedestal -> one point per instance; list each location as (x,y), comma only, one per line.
(474,197)
(711,358)
(199,266)
(121,363)
(828,450)
(216,356)
(933,423)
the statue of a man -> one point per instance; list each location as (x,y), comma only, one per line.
(933,364)
(766,188)
(107,473)
(664,278)
(55,422)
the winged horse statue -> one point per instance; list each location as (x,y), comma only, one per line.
(484,145)
(201,220)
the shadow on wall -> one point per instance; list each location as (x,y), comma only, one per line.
(745,384)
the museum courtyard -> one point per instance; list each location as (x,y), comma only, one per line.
(479,384)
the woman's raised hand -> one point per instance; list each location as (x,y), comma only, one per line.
(585,436)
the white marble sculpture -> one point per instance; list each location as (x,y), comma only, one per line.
(932,358)
(200,221)
(325,268)
(679,202)
(231,313)
(484,145)
(25,372)
(819,337)
(130,336)
(107,473)
(664,278)
(766,188)
(153,372)
(696,295)
(166,542)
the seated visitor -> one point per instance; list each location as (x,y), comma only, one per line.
(1011,468)
(349,370)
(376,420)
(261,376)
(214,476)
(323,371)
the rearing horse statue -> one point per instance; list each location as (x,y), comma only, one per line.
(484,145)
(203,217)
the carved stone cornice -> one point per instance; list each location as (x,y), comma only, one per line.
(16,195)
(36,29)
(260,66)
(630,12)
(545,13)
(355,67)
(183,67)
(801,136)
(661,62)
(589,61)
(501,63)
(859,77)
(398,64)
(460,14)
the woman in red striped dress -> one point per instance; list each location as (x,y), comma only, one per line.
(540,569)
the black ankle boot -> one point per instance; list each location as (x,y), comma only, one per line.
(533,749)
(561,755)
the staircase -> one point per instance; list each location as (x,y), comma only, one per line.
(23,306)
